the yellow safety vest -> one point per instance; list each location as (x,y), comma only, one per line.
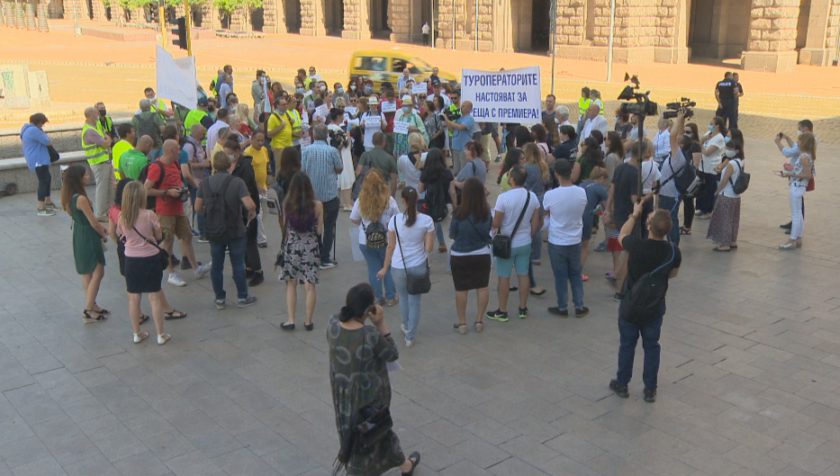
(94,153)
(583,105)
(159,107)
(296,121)
(194,117)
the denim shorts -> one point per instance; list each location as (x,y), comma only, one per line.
(520,259)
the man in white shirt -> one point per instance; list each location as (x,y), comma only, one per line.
(564,208)
(403,80)
(662,141)
(510,205)
(669,195)
(594,122)
(562,117)
(213,132)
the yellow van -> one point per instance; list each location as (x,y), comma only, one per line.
(388,65)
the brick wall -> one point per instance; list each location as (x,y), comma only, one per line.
(833,21)
(637,22)
(399,19)
(773,25)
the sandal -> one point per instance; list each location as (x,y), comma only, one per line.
(163,338)
(685,231)
(140,337)
(414,463)
(479,326)
(102,311)
(143,318)
(174,314)
(718,248)
(462,328)
(538,293)
(442,248)
(88,318)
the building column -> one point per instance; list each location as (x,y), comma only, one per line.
(399,20)
(356,20)
(816,50)
(312,18)
(772,44)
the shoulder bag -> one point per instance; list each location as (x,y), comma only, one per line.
(502,243)
(641,300)
(416,284)
(163,255)
(740,184)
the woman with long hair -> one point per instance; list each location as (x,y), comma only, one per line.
(248,123)
(537,181)
(589,157)
(541,138)
(304,218)
(522,136)
(615,153)
(410,239)
(143,271)
(690,145)
(798,179)
(726,217)
(552,138)
(375,204)
(410,164)
(118,238)
(470,255)
(88,237)
(434,124)
(437,173)
(359,381)
(513,158)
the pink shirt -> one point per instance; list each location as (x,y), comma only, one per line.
(135,245)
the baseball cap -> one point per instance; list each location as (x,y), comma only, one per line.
(202,102)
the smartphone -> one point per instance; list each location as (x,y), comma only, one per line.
(779,173)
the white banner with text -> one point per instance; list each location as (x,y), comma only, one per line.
(510,96)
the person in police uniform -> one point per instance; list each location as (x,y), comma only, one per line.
(725,94)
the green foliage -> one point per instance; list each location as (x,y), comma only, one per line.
(230,6)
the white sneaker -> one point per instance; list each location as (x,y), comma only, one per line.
(403,329)
(202,270)
(176,280)
(46,212)
(409,343)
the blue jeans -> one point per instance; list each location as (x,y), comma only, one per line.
(237,262)
(565,262)
(375,259)
(409,303)
(628,336)
(439,233)
(672,204)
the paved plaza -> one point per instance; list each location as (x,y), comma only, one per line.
(748,384)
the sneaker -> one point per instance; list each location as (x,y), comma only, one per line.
(498,315)
(45,212)
(264,244)
(703,216)
(403,329)
(617,297)
(185,264)
(256,280)
(176,280)
(51,206)
(601,247)
(203,239)
(523,312)
(650,395)
(558,312)
(499,158)
(175,261)
(245,302)
(409,343)
(581,311)
(327,264)
(202,270)
(392,302)
(220,304)
(619,389)
(786,226)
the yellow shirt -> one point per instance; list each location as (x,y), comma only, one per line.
(283,138)
(118,149)
(259,160)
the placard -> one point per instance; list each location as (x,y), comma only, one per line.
(322,111)
(388,106)
(419,88)
(510,96)
(350,110)
(175,78)
(401,127)
(373,121)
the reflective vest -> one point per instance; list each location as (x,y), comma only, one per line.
(194,117)
(455,109)
(294,115)
(583,105)
(93,152)
(159,107)
(104,125)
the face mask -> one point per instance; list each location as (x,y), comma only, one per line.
(322,88)
(102,112)
(726,140)
(368,89)
(711,128)
(730,153)
(231,157)
(617,119)
(340,90)
(352,87)
(799,132)
(687,134)
(300,90)
(406,109)
(281,111)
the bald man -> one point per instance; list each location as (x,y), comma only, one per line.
(594,122)
(163,181)
(133,160)
(97,147)
(462,130)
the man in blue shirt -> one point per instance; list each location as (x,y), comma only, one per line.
(37,157)
(461,134)
(322,164)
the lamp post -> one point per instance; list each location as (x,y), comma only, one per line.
(610,47)
(553,39)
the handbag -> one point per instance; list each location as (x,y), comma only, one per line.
(53,154)
(502,243)
(163,256)
(811,184)
(421,284)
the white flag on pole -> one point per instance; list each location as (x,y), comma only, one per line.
(176,78)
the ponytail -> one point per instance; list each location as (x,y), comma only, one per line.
(409,194)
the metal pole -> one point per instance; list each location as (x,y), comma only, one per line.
(553,39)
(610,47)
(432,37)
(453,24)
(188,23)
(475,31)
(162,23)
(76,28)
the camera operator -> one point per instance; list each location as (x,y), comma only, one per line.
(669,196)
(461,133)
(165,183)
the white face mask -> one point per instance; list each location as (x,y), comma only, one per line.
(730,153)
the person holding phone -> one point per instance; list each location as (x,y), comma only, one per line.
(359,352)
(798,177)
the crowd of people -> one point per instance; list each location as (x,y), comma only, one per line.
(402,164)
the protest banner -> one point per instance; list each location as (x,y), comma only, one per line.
(350,110)
(510,96)
(323,110)
(388,106)
(373,121)
(175,78)
(419,88)
(401,127)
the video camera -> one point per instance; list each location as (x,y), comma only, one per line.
(673,108)
(452,115)
(643,105)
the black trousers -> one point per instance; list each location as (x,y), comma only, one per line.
(729,112)
(252,252)
(330,217)
(44,181)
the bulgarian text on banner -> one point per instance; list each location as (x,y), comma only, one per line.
(511,96)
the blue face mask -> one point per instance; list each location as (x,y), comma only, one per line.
(281,111)
(711,128)
(340,90)
(300,90)
(406,109)
(726,139)
(367,88)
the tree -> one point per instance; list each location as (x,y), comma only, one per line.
(228,7)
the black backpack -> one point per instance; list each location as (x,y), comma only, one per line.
(641,301)
(357,185)
(742,183)
(218,227)
(683,178)
(375,234)
(436,201)
(141,177)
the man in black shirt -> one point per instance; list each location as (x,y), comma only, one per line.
(725,95)
(739,91)
(644,256)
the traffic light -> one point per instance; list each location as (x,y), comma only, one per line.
(179,35)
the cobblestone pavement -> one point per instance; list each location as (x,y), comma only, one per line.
(748,384)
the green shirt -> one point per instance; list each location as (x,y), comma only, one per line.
(131,162)
(378,158)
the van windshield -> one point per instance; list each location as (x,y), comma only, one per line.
(417,62)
